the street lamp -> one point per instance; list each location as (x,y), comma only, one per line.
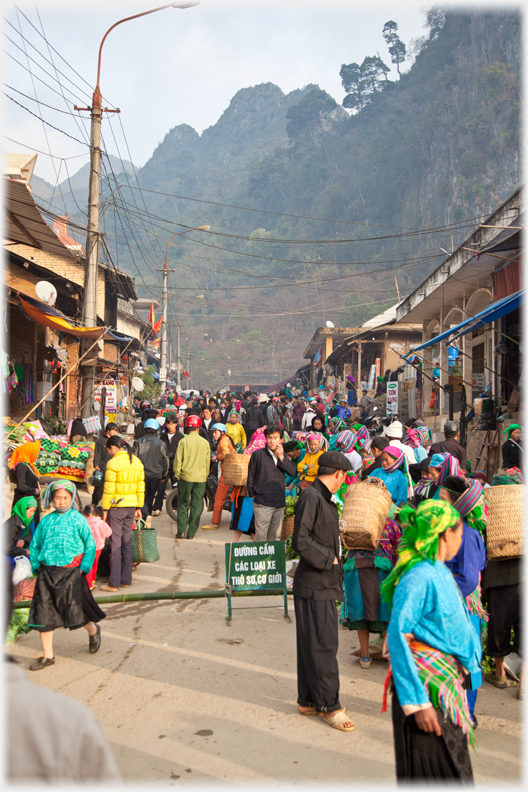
(92,235)
(163,345)
(178,360)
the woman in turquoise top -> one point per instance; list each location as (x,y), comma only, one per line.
(433,647)
(62,552)
(393,461)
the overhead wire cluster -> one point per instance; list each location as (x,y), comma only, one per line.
(142,233)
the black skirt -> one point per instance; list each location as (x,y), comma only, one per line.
(62,598)
(425,756)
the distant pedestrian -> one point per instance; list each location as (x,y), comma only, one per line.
(191,468)
(101,458)
(151,451)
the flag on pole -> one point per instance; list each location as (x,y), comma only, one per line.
(151,315)
(157,327)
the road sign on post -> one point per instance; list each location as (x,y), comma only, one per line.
(255,566)
(393,392)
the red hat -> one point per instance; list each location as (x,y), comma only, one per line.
(193,422)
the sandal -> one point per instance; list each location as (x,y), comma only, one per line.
(210,527)
(108,588)
(499,682)
(365,662)
(309,712)
(42,662)
(337,719)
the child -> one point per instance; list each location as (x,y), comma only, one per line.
(100,530)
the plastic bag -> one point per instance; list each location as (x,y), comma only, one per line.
(22,569)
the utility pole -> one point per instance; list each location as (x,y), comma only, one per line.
(163,345)
(189,366)
(92,235)
(178,359)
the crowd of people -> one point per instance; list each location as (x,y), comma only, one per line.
(426,588)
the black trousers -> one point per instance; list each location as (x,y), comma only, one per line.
(504,606)
(158,503)
(316,623)
(423,755)
(151,488)
(97,494)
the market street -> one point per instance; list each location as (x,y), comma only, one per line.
(184,697)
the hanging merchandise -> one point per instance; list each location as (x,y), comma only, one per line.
(92,424)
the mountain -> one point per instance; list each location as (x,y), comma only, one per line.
(313,210)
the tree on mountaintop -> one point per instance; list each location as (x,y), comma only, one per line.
(362,82)
(397,49)
(304,118)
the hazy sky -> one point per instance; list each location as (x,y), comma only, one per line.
(175,66)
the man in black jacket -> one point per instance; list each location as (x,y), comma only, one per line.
(316,587)
(171,437)
(151,452)
(451,445)
(101,457)
(266,485)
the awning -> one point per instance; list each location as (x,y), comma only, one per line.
(494,311)
(50,317)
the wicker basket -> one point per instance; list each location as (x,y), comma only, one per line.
(287,527)
(364,514)
(505,531)
(235,469)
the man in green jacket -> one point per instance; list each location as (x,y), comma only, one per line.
(191,468)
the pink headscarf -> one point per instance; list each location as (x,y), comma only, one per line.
(258,440)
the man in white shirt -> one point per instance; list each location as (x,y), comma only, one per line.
(307,418)
(394,433)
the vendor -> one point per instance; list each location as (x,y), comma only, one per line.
(512,452)
(22,462)
(307,467)
(18,530)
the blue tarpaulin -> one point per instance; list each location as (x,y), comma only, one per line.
(494,311)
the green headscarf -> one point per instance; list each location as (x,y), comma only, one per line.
(20,509)
(509,429)
(421,532)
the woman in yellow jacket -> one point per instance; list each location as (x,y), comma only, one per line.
(123,496)
(308,468)
(235,431)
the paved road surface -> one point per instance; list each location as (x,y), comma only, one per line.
(183,697)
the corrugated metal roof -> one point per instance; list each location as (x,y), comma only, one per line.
(24,223)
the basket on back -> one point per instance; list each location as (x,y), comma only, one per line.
(287,527)
(505,531)
(364,514)
(235,469)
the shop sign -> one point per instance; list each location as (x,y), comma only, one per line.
(392,398)
(111,395)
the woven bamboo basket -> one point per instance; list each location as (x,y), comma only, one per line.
(235,469)
(287,527)
(364,514)
(505,531)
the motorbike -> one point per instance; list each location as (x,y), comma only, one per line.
(211,485)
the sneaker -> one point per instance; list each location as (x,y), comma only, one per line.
(365,662)
(95,641)
(156,513)
(512,665)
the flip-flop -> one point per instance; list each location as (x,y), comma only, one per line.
(108,588)
(499,682)
(337,719)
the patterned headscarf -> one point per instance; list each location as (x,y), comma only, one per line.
(450,467)
(415,438)
(339,425)
(400,461)
(421,532)
(362,433)
(258,440)
(322,442)
(26,453)
(437,460)
(426,434)
(346,441)
(69,486)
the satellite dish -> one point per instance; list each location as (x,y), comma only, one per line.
(138,384)
(46,292)
(330,324)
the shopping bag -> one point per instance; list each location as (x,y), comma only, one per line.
(144,543)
